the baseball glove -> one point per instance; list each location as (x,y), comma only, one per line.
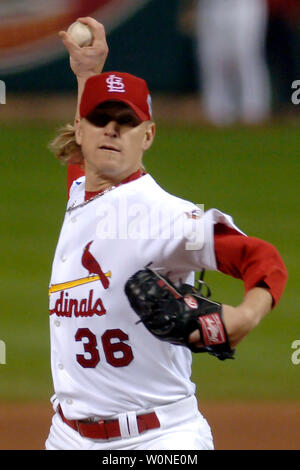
(171,313)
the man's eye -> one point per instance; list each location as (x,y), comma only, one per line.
(126,121)
(99,120)
(102,119)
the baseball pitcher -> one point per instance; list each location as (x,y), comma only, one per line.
(125,316)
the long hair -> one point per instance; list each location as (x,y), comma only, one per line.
(65,147)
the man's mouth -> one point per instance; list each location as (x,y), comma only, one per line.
(110,148)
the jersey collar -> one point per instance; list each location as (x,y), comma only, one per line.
(134,176)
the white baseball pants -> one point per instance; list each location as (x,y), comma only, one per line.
(182,427)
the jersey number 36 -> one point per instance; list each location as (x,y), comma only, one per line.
(117,353)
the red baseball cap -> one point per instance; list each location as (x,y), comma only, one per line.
(117,86)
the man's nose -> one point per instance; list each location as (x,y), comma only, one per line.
(112,129)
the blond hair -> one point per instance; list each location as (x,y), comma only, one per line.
(66,149)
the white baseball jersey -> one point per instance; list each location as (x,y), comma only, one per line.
(103,363)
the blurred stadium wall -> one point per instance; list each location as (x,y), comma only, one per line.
(150,38)
(143,38)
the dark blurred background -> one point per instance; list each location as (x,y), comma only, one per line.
(173,44)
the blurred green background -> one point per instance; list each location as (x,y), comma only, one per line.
(250,173)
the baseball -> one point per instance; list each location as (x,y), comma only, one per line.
(81,34)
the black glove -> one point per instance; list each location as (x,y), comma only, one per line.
(171,313)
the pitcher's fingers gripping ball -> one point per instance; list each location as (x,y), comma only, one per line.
(172,313)
(85,61)
(81,34)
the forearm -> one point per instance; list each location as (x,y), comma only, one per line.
(88,61)
(81,80)
(240,320)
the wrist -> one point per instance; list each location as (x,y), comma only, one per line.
(83,76)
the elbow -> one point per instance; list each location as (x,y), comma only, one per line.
(274,274)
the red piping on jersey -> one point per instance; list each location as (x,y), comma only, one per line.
(256,262)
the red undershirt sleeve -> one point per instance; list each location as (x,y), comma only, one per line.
(73,172)
(256,262)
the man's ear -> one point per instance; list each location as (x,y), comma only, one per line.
(78,132)
(149,135)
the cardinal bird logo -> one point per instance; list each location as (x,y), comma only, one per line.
(91,264)
(95,274)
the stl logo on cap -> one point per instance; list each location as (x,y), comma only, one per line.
(119,86)
(115,84)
